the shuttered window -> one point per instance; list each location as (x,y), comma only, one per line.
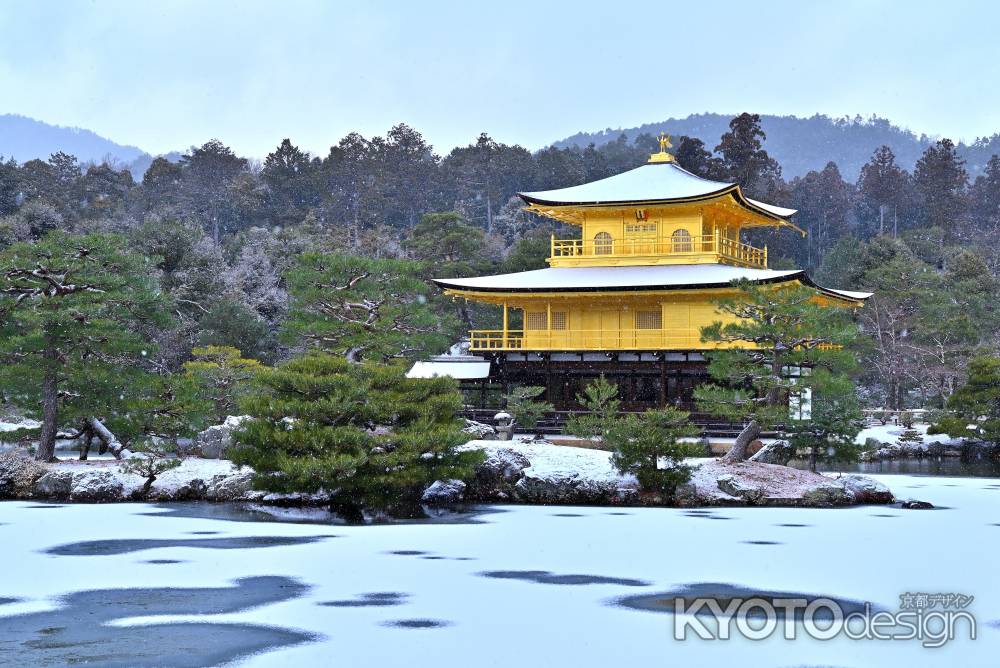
(559,320)
(535,320)
(648,320)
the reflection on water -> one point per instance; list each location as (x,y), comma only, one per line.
(936,466)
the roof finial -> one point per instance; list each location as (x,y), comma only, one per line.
(663,156)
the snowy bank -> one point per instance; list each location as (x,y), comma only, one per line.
(540,472)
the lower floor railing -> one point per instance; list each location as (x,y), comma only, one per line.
(586,339)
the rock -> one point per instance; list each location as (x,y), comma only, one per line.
(18,473)
(191,490)
(775,452)
(55,484)
(913,504)
(565,488)
(479,431)
(214,442)
(865,490)
(96,486)
(828,494)
(444,492)
(185,447)
(229,487)
(734,486)
(496,476)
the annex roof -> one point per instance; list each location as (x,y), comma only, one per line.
(460,368)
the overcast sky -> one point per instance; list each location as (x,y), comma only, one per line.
(166,75)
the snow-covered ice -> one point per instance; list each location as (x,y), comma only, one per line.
(862,553)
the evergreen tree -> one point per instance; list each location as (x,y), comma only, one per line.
(361,308)
(74,332)
(975,407)
(600,400)
(824,200)
(649,446)
(221,377)
(291,177)
(776,330)
(881,186)
(941,179)
(363,434)
(521,403)
(833,421)
(744,158)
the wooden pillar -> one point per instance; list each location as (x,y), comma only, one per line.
(504,343)
(548,324)
(663,379)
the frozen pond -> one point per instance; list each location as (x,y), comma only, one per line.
(144,585)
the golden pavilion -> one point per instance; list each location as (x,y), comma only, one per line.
(658,247)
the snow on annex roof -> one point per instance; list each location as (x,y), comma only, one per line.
(656,277)
(651,183)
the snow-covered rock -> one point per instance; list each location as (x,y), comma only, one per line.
(214,442)
(738,487)
(96,486)
(229,487)
(865,490)
(479,431)
(18,473)
(55,484)
(775,452)
(444,492)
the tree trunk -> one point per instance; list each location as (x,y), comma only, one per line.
(109,440)
(50,411)
(87,434)
(146,485)
(812,459)
(740,450)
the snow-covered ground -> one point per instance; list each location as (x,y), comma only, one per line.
(890,433)
(520,618)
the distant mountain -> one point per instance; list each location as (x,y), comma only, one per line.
(26,139)
(804,144)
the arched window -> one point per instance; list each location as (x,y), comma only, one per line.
(681,241)
(602,244)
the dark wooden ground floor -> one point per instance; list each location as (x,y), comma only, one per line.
(644,379)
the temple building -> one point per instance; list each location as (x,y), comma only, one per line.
(658,247)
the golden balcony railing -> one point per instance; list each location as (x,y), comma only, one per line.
(585,339)
(693,248)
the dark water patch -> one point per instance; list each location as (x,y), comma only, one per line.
(370,600)
(567,515)
(78,631)
(994,624)
(44,506)
(164,561)
(4,600)
(127,545)
(882,515)
(956,467)
(204,533)
(545,577)
(463,558)
(406,553)
(250,512)
(762,542)
(417,623)
(699,512)
(723,593)
(792,525)
(619,513)
(433,557)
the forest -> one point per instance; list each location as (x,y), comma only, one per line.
(218,250)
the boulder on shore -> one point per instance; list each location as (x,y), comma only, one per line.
(99,486)
(215,442)
(444,492)
(775,452)
(18,473)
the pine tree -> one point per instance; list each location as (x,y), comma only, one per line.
(521,403)
(744,158)
(364,434)
(649,447)
(76,313)
(975,407)
(777,330)
(881,187)
(833,421)
(364,309)
(221,377)
(600,400)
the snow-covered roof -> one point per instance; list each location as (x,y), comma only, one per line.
(461,368)
(655,277)
(652,183)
